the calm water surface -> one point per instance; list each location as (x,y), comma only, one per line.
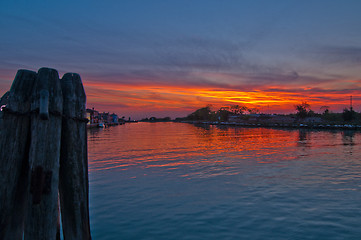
(180,181)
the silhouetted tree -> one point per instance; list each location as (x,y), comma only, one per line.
(253,110)
(302,109)
(202,114)
(325,109)
(223,114)
(348,114)
(236,109)
(311,113)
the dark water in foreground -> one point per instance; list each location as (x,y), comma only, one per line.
(178,181)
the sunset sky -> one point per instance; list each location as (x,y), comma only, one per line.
(143,58)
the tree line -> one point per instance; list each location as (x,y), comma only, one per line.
(303,111)
(222,114)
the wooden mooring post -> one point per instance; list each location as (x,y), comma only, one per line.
(73,185)
(43,157)
(14,152)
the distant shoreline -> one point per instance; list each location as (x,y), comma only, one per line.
(283,125)
(317,126)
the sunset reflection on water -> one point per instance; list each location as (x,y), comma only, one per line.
(147,145)
(181,181)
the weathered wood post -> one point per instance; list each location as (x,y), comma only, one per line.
(44,154)
(14,147)
(73,187)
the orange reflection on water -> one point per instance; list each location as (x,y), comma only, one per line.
(204,150)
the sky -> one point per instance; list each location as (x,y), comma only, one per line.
(144,58)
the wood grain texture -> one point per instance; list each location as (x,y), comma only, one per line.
(43,158)
(44,154)
(14,148)
(73,187)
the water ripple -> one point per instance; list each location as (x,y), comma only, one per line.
(179,181)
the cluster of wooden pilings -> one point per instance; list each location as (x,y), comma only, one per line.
(43,158)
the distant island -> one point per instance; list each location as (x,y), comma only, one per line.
(304,117)
(239,115)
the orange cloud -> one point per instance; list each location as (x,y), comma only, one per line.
(174,101)
(177,98)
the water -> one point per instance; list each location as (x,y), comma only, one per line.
(180,181)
